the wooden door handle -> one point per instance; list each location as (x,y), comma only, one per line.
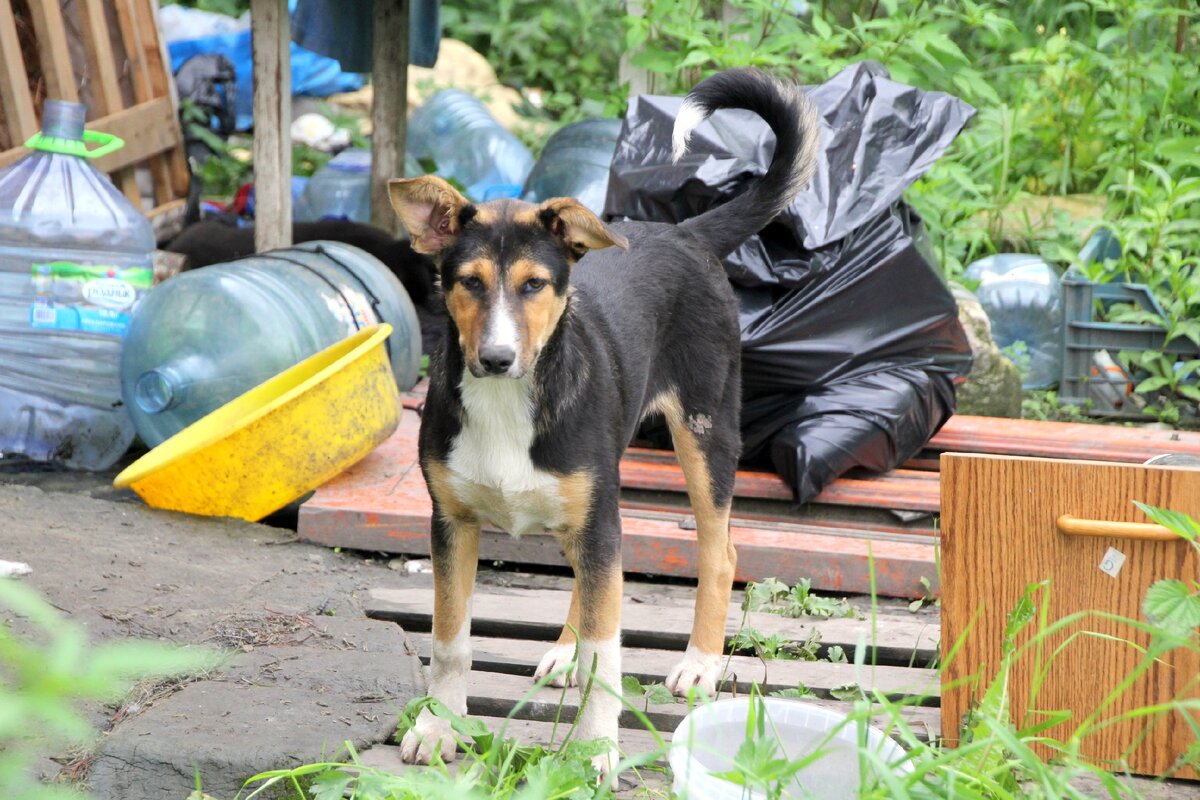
(1074,526)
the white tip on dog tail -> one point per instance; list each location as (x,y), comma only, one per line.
(691,114)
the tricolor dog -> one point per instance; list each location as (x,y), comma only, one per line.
(564,334)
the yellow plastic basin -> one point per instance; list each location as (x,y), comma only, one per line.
(280,440)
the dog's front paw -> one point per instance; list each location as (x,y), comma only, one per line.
(428,736)
(698,670)
(558,659)
(606,765)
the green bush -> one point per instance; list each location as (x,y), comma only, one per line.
(1099,98)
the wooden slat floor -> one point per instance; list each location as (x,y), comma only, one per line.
(517,617)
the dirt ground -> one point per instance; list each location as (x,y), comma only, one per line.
(306,670)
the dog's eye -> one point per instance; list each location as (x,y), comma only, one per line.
(471,283)
(533,285)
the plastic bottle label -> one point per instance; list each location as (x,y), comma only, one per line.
(90,298)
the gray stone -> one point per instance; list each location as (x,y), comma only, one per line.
(993,389)
(229,732)
(307,670)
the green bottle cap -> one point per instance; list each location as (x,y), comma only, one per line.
(77,147)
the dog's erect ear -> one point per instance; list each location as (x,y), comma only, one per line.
(577,228)
(429,207)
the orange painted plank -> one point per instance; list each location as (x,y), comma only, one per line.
(1023,437)
(382,504)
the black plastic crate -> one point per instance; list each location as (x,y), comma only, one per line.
(1109,392)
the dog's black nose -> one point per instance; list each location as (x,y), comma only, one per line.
(496,360)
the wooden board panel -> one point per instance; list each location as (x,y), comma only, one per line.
(999,534)
(53,51)
(382,504)
(652,665)
(161,85)
(14,88)
(901,489)
(1024,437)
(135,53)
(102,74)
(497,694)
(539,614)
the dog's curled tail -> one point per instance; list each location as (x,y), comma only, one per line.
(792,117)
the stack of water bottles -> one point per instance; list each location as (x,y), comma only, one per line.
(75,261)
(464,140)
(575,163)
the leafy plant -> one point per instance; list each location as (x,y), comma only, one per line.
(776,597)
(47,669)
(1173,605)
(635,691)
(566,49)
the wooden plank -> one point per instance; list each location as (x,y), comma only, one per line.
(539,614)
(496,694)
(102,73)
(140,74)
(14,86)
(1023,437)
(382,504)
(51,33)
(651,665)
(656,470)
(634,740)
(1000,534)
(161,85)
(141,127)
(272,120)
(389,112)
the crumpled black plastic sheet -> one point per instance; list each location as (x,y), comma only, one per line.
(851,343)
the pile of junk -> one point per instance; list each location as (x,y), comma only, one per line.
(852,344)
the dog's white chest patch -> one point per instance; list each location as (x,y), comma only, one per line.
(491,471)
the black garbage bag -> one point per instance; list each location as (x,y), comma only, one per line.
(851,343)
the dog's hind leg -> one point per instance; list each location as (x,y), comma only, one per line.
(454,546)
(563,651)
(707,445)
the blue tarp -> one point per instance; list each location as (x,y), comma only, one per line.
(312,74)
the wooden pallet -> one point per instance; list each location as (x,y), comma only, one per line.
(514,624)
(108,55)
(861,524)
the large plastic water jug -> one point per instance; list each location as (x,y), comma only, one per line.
(1024,301)
(469,145)
(74,263)
(205,337)
(339,190)
(575,163)
(342,188)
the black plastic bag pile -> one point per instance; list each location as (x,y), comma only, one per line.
(851,343)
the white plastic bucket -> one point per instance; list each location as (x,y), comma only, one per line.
(708,738)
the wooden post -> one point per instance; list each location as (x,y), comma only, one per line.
(389,114)
(271,31)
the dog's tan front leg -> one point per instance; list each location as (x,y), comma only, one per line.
(455,551)
(599,670)
(556,659)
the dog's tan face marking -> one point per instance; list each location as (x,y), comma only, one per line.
(538,309)
(505,312)
(469,299)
